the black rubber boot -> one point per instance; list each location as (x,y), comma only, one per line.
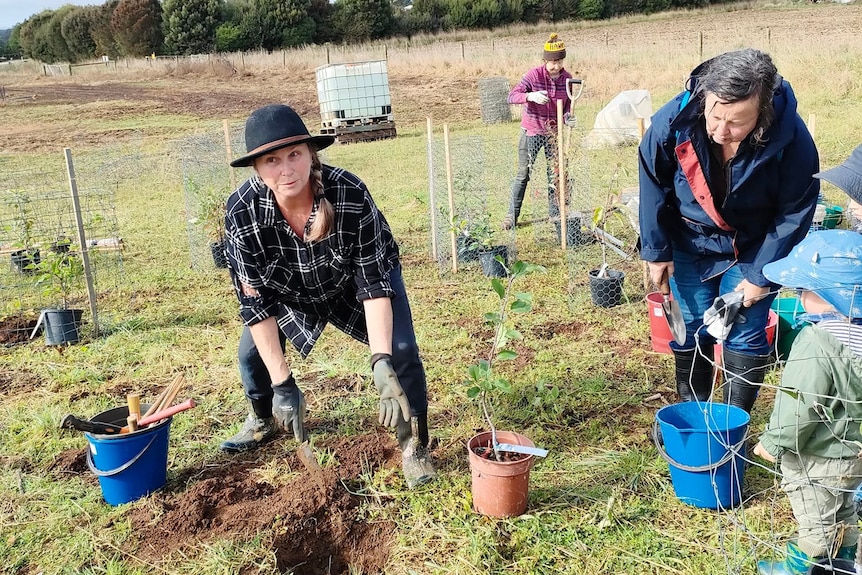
(743,374)
(415,459)
(259,427)
(694,373)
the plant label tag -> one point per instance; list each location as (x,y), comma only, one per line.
(521,449)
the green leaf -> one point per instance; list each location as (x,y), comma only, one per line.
(473,392)
(498,286)
(513,333)
(521,306)
(503,385)
(492,317)
(506,355)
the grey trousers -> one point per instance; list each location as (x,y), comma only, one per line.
(821,495)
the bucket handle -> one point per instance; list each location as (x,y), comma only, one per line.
(121,468)
(659,444)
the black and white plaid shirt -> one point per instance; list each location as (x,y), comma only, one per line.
(305,285)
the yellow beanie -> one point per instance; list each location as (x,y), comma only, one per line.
(555,49)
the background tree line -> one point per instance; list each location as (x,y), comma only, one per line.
(142,27)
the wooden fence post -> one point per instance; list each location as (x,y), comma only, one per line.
(450,187)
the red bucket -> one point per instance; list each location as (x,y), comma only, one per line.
(660,336)
(771,326)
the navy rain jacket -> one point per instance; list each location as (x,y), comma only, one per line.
(771,192)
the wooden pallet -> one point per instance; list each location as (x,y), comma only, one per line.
(361,132)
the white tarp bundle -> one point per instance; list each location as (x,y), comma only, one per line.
(617,123)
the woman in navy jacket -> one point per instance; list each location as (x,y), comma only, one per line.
(726,186)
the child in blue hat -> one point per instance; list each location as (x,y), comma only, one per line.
(814,429)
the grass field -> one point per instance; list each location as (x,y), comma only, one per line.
(601,502)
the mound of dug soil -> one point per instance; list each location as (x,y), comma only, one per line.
(316,526)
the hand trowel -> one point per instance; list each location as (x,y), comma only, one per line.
(672,312)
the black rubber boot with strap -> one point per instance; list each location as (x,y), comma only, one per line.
(415,460)
(743,374)
(694,373)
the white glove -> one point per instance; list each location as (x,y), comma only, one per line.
(570,120)
(538,97)
(723,313)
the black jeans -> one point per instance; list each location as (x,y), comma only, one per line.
(528,151)
(405,355)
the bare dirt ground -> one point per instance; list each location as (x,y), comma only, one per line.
(315,526)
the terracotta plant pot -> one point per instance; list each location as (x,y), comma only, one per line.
(500,488)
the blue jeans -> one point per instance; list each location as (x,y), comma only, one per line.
(696,296)
(528,151)
(405,355)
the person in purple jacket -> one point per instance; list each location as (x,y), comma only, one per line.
(539,90)
(726,187)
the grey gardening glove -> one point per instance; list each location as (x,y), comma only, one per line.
(288,408)
(393,402)
(723,313)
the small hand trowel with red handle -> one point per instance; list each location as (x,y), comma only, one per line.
(672,312)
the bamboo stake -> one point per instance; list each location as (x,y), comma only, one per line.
(432,197)
(561,177)
(227,146)
(450,186)
(172,394)
(161,397)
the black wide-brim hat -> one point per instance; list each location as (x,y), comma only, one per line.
(273,127)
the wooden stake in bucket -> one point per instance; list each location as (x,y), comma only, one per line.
(129,465)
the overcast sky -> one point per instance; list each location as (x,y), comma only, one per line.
(16,11)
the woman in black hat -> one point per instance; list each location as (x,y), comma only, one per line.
(307,246)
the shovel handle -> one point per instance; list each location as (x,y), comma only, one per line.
(167,412)
(664,286)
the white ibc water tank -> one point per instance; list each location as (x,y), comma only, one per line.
(352,93)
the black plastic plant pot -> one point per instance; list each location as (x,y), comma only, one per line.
(607,291)
(62,326)
(219,259)
(25,261)
(488,260)
(61,246)
(468,248)
(577,233)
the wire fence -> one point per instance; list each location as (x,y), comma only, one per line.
(504,190)
(207,181)
(38,223)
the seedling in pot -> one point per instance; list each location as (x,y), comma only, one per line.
(483,383)
(58,273)
(600,220)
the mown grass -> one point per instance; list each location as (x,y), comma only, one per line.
(601,502)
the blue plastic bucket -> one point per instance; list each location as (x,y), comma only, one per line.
(704,445)
(129,465)
(788,309)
